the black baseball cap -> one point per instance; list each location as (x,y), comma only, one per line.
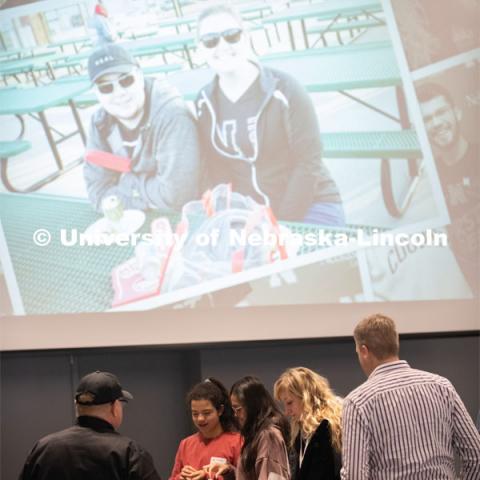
(110,58)
(98,388)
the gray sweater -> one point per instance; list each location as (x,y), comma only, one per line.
(165,163)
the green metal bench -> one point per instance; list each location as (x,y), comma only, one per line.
(7,150)
(389,144)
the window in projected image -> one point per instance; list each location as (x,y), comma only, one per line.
(289,153)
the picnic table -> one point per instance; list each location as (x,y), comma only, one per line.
(75,279)
(161,44)
(29,66)
(325,10)
(34,101)
(330,69)
(78,43)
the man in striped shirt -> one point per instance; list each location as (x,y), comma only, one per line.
(403,423)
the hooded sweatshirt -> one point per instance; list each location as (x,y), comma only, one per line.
(165,161)
(285,170)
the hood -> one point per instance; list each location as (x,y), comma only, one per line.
(158,94)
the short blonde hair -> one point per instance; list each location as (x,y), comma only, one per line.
(318,400)
(379,334)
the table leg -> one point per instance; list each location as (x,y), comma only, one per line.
(305,35)
(290,34)
(78,121)
(51,141)
(189,57)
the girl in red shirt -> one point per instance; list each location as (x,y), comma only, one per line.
(217,440)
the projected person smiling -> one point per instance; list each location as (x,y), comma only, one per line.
(458,166)
(149,130)
(258,128)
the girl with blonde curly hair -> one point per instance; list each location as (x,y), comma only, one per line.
(315,416)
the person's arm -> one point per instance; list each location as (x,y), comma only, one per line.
(107,30)
(466,439)
(176,180)
(309,174)
(356,443)
(102,182)
(178,465)
(272,458)
(26,473)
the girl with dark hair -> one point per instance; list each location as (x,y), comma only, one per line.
(265,430)
(217,440)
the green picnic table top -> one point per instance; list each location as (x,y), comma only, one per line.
(37,99)
(320,70)
(389,144)
(60,279)
(325,10)
(158,44)
(26,52)
(21,65)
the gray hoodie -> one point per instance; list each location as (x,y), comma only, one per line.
(165,163)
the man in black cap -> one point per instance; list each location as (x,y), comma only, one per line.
(92,449)
(142,146)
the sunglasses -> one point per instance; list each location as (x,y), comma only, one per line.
(211,40)
(125,81)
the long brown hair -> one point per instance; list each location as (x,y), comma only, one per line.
(261,413)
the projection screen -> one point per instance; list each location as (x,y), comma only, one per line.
(390,91)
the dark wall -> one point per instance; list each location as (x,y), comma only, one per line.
(36,388)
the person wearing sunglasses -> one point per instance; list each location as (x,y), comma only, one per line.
(142,145)
(258,128)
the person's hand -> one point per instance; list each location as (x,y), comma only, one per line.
(215,470)
(190,473)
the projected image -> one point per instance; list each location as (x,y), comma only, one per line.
(449,102)
(153,159)
(433,30)
(302,285)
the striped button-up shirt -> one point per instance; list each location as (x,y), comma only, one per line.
(404,423)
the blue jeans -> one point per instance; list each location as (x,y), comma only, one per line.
(331,214)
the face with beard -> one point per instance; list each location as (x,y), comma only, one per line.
(441,121)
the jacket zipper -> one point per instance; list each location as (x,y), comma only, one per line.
(251,161)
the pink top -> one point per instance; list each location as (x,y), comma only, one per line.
(197,451)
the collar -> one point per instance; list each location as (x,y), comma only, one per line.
(94,423)
(389,367)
